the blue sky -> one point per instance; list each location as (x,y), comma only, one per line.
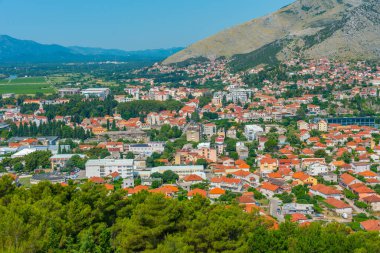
(126,24)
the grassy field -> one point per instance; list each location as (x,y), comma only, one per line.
(26,85)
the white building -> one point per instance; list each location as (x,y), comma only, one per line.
(251,131)
(182,170)
(147,148)
(23,152)
(104,167)
(96,92)
(316,169)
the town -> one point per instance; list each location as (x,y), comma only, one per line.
(299,142)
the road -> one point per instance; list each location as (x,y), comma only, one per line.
(274,207)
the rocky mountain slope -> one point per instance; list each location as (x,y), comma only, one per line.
(307,28)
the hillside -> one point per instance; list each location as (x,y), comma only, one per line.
(344,29)
(26,51)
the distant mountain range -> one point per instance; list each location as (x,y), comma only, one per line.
(340,29)
(26,51)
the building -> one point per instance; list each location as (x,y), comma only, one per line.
(192,134)
(101,93)
(59,161)
(182,170)
(68,92)
(242,150)
(339,207)
(147,148)
(317,168)
(209,129)
(325,191)
(291,208)
(252,131)
(104,167)
(322,126)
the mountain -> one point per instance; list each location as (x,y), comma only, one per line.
(343,29)
(26,51)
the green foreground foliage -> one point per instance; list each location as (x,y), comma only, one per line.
(52,218)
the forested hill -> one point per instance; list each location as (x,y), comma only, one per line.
(53,218)
(14,51)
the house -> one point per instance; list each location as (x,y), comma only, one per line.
(59,161)
(267,165)
(317,168)
(291,208)
(346,180)
(370,225)
(168,190)
(195,192)
(298,217)
(325,191)
(339,207)
(242,150)
(209,129)
(361,167)
(252,131)
(303,178)
(193,134)
(362,191)
(215,193)
(373,201)
(269,189)
(322,126)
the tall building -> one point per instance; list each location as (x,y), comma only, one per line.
(104,167)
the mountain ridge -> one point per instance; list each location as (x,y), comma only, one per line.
(323,28)
(14,50)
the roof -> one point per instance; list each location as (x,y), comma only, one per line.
(338,204)
(370,225)
(372,199)
(197,191)
(347,178)
(192,178)
(327,190)
(269,187)
(298,216)
(217,190)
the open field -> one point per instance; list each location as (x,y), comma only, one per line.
(27,85)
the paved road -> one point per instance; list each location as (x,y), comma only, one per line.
(274,206)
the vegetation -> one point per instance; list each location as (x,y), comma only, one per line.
(53,218)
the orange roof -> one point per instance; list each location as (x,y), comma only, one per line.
(197,191)
(368,173)
(371,225)
(192,178)
(300,175)
(274,175)
(241,173)
(325,189)
(347,178)
(109,187)
(97,180)
(338,204)
(136,189)
(270,187)
(217,191)
(298,217)
(249,208)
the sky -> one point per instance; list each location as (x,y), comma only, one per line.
(126,24)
